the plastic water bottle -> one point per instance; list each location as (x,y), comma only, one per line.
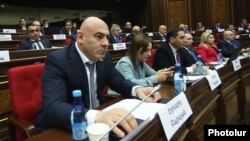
(220,57)
(178,80)
(78,121)
(199,66)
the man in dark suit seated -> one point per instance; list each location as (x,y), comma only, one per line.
(68,69)
(229,44)
(172,51)
(115,36)
(33,39)
(161,34)
(136,30)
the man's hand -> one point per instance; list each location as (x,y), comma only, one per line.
(142,92)
(112,116)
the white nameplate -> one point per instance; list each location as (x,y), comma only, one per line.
(4,56)
(209,31)
(150,34)
(219,66)
(236,64)
(5,37)
(237,36)
(119,46)
(221,30)
(213,79)
(9,30)
(174,114)
(59,36)
(240,28)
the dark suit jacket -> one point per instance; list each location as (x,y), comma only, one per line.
(26,43)
(112,39)
(66,32)
(227,48)
(65,72)
(164,58)
(157,36)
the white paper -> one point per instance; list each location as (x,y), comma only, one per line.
(217,67)
(213,79)
(59,36)
(192,78)
(5,37)
(4,56)
(236,64)
(174,114)
(9,30)
(119,46)
(142,112)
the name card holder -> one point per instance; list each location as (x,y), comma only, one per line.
(209,31)
(236,64)
(119,46)
(221,30)
(213,79)
(6,37)
(9,31)
(59,36)
(174,114)
(150,34)
(4,56)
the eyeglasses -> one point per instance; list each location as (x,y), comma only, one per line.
(32,31)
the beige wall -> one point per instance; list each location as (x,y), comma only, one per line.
(10,15)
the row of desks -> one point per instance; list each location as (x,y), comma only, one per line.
(227,104)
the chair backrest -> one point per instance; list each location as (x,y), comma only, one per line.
(25,90)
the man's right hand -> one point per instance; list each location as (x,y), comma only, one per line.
(112,116)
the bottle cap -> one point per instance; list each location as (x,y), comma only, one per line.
(77,93)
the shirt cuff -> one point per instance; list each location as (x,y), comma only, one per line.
(133,90)
(189,69)
(91,114)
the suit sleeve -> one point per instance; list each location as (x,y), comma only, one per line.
(22,45)
(116,81)
(226,50)
(161,59)
(128,72)
(54,94)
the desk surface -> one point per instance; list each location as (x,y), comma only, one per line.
(60,135)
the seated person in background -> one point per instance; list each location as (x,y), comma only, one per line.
(37,23)
(115,36)
(127,28)
(22,24)
(172,51)
(161,34)
(207,49)
(136,30)
(68,30)
(134,68)
(33,39)
(200,27)
(188,55)
(69,69)
(246,30)
(229,44)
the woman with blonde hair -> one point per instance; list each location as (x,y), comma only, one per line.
(207,49)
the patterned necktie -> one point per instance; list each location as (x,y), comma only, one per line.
(94,102)
(38,45)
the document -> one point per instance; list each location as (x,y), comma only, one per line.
(144,111)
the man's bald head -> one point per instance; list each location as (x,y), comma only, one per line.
(91,22)
(228,35)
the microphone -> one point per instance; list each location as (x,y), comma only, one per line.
(156,88)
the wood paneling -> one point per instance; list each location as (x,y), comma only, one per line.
(220,11)
(176,12)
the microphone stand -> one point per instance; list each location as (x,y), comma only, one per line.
(156,88)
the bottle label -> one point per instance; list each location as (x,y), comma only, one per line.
(178,86)
(79,131)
